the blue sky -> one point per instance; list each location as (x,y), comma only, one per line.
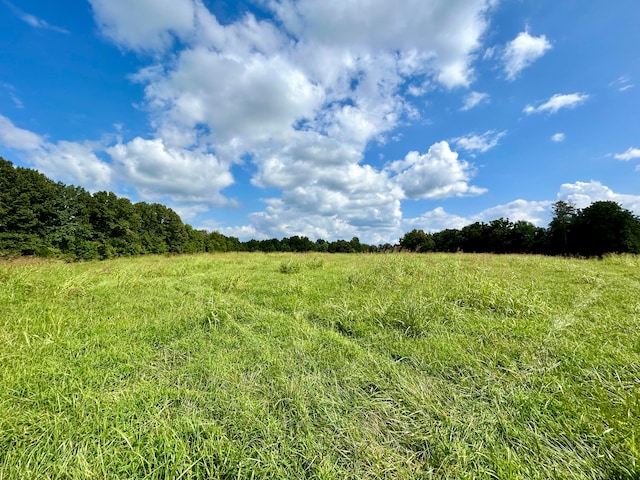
(328,118)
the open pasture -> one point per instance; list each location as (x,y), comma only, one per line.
(320,366)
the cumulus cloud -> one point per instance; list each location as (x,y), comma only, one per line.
(558,137)
(299,98)
(144,24)
(350,200)
(382,26)
(536,212)
(245,100)
(157,170)
(522,51)
(583,194)
(479,143)
(630,154)
(436,220)
(435,174)
(474,99)
(70,162)
(326,192)
(558,102)
(187,175)
(73,163)
(335,197)
(342,216)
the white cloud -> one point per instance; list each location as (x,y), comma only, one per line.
(558,137)
(622,84)
(240,99)
(490,53)
(583,194)
(418,90)
(479,143)
(435,174)
(32,20)
(300,98)
(558,102)
(11,91)
(157,170)
(144,24)
(326,192)
(448,32)
(522,51)
(373,219)
(355,200)
(18,138)
(436,220)
(536,212)
(73,163)
(189,212)
(332,196)
(70,162)
(630,154)
(306,158)
(474,99)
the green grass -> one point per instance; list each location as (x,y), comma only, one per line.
(319,366)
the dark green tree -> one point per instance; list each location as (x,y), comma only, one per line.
(606,227)
(475,237)
(414,240)
(526,237)
(216,242)
(28,205)
(448,240)
(564,214)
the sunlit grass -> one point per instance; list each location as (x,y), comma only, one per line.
(321,366)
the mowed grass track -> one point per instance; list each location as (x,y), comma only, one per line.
(320,366)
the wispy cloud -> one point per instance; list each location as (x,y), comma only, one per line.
(622,84)
(32,20)
(629,154)
(558,137)
(558,102)
(474,99)
(522,51)
(11,91)
(479,143)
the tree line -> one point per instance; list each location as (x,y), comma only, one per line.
(45,218)
(602,227)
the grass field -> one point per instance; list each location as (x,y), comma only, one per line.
(319,366)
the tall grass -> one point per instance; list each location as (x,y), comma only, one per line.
(312,366)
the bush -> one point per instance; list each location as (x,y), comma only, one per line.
(290,266)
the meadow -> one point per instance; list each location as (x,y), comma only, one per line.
(320,366)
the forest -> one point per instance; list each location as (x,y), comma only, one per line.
(50,219)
